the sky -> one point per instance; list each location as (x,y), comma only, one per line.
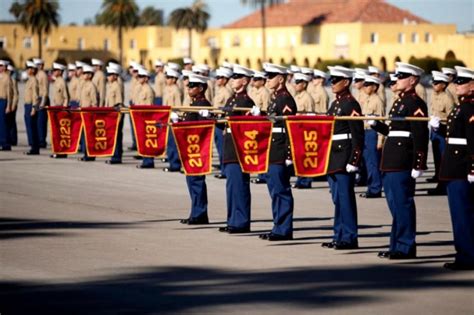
(459,12)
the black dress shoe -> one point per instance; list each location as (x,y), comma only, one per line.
(31,152)
(113,162)
(58,156)
(234,230)
(346,245)
(138,157)
(43,146)
(432,180)
(400,256)
(458,266)
(258,181)
(275,237)
(369,195)
(437,192)
(384,254)
(329,244)
(170,170)
(145,166)
(184,221)
(132,148)
(296,186)
(224,229)
(220,176)
(86,159)
(194,221)
(5,149)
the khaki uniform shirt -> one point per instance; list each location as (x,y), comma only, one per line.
(145,94)
(320,98)
(159,86)
(304,102)
(43,84)
(88,96)
(452,90)
(113,96)
(134,85)
(60,93)
(31,91)
(99,81)
(291,88)
(359,95)
(15,93)
(441,104)
(73,88)
(222,95)
(373,105)
(5,88)
(420,91)
(80,86)
(381,93)
(186,99)
(261,97)
(172,95)
(210,91)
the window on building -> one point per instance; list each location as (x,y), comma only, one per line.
(3,42)
(81,43)
(428,37)
(107,44)
(414,38)
(27,42)
(133,43)
(236,41)
(374,38)
(212,42)
(401,38)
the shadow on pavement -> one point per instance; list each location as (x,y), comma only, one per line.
(185,289)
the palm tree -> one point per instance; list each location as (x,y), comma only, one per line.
(37,16)
(151,16)
(262,4)
(120,15)
(191,18)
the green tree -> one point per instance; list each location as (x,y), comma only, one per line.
(37,16)
(120,15)
(190,18)
(151,16)
(263,4)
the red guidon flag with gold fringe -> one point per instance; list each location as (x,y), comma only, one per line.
(100,130)
(310,139)
(251,137)
(65,128)
(194,142)
(150,124)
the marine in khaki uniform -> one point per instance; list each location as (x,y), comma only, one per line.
(451,73)
(171,93)
(60,92)
(88,96)
(73,86)
(442,102)
(259,93)
(5,106)
(43,86)
(184,83)
(114,97)
(60,95)
(145,94)
(202,69)
(160,82)
(358,84)
(80,77)
(421,91)
(222,92)
(31,98)
(134,85)
(373,106)
(393,88)
(99,80)
(375,72)
(304,101)
(11,117)
(318,92)
(290,86)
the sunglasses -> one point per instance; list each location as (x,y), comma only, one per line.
(220,77)
(335,80)
(300,81)
(392,83)
(170,77)
(403,75)
(258,79)
(358,80)
(237,76)
(462,81)
(368,83)
(438,82)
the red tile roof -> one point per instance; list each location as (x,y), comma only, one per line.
(313,12)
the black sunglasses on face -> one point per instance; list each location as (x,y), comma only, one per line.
(391,83)
(237,76)
(358,80)
(300,81)
(193,85)
(169,77)
(437,82)
(271,75)
(403,75)
(335,80)
(257,79)
(368,83)
(462,81)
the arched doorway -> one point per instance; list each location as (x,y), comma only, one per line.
(383,64)
(247,63)
(450,55)
(237,61)
(306,62)
(293,61)
(369,61)
(282,61)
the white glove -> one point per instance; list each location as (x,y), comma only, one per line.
(255,111)
(470,178)
(434,122)
(351,168)
(204,113)
(416,173)
(371,122)
(174,117)
(288,162)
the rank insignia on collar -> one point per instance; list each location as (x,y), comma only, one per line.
(419,112)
